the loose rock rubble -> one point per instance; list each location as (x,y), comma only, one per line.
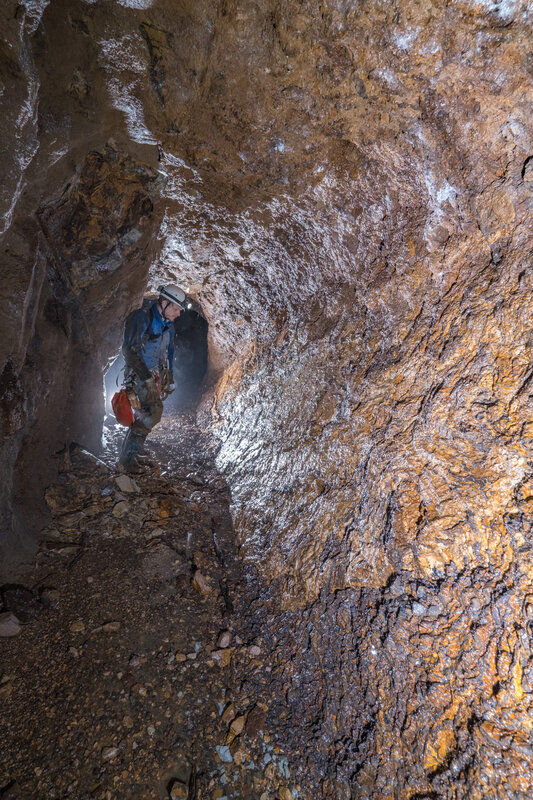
(132,679)
(151,662)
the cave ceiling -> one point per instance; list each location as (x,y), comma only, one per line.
(307,147)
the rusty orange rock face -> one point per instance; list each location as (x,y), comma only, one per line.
(346,191)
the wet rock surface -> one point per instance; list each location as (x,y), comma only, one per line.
(156,663)
(345,189)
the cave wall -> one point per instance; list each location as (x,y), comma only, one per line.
(346,190)
(380,445)
(78,215)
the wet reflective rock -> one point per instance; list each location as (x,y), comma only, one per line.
(345,190)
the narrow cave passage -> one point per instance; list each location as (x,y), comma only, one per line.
(142,674)
(321,586)
(152,678)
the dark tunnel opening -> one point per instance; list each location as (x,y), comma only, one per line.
(190,359)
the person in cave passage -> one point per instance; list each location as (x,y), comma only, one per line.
(148,351)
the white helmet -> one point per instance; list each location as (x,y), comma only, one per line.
(175,295)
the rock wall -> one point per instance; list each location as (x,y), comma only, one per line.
(379,442)
(78,217)
(347,193)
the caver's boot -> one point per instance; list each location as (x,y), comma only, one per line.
(131,448)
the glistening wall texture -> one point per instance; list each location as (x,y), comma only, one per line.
(347,193)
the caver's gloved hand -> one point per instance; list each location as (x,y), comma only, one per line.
(167,383)
(152,390)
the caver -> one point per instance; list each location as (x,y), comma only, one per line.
(148,351)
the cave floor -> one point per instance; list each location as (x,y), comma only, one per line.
(136,674)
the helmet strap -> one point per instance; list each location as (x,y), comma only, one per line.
(168,303)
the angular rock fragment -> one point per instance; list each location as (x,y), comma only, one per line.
(256,719)
(223,657)
(235,729)
(9,624)
(224,640)
(229,713)
(239,754)
(224,753)
(120,508)
(108,627)
(126,484)
(110,753)
(202,583)
(237,725)
(78,626)
(178,790)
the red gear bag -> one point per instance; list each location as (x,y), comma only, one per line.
(122,408)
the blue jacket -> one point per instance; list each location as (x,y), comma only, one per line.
(148,341)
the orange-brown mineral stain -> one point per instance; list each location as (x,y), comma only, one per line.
(438,748)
